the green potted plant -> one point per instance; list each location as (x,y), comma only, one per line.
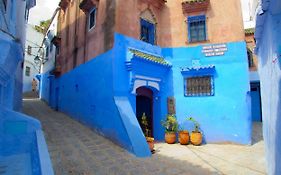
(149,139)
(171,126)
(183,136)
(196,135)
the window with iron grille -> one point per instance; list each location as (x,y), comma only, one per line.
(197,28)
(27,71)
(199,86)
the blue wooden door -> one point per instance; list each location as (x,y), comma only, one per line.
(147,32)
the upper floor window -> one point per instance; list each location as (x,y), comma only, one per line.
(147,31)
(197,28)
(29,50)
(92,18)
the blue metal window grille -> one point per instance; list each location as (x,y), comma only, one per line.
(199,86)
(147,32)
(92,18)
(197,28)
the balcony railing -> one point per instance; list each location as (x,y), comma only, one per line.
(190,6)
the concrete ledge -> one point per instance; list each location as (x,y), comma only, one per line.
(44,157)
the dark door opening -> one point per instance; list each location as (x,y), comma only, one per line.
(256,102)
(144,104)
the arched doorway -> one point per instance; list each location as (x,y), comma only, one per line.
(144,104)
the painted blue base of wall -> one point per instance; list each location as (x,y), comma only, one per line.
(27,152)
(102,93)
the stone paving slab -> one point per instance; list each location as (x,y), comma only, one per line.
(77,150)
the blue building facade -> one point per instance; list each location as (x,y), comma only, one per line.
(105,92)
(22,145)
(268,49)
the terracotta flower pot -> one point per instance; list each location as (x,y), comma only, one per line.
(196,138)
(150,142)
(183,137)
(170,137)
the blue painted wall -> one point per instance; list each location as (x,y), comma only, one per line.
(268,36)
(87,94)
(100,93)
(224,117)
(256,102)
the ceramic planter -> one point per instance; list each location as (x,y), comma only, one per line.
(150,142)
(170,137)
(196,138)
(183,137)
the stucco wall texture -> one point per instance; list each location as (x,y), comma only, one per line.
(270,78)
(79,44)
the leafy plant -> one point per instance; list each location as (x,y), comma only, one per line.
(170,124)
(196,124)
(43,26)
(144,125)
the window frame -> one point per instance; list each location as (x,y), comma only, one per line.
(151,31)
(200,94)
(29,50)
(196,19)
(27,71)
(94,9)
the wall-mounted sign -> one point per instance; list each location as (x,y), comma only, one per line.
(171,105)
(214,50)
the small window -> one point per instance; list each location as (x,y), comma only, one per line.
(147,31)
(29,50)
(47,52)
(51,47)
(197,28)
(199,86)
(27,71)
(26,15)
(250,58)
(92,18)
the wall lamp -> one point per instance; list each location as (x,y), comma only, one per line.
(40,60)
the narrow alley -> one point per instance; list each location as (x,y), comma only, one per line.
(75,149)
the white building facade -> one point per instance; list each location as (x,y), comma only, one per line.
(32,49)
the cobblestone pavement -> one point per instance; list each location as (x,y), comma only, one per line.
(77,150)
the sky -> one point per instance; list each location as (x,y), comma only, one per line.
(43,10)
(246,7)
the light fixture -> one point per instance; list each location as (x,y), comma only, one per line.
(37,60)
